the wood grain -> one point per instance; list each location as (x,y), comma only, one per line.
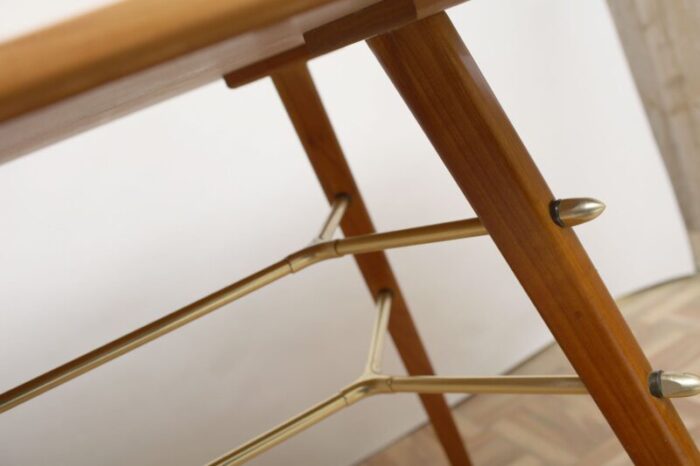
(121,39)
(300,97)
(360,25)
(442,85)
(94,68)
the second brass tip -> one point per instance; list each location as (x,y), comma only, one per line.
(673,384)
(575,211)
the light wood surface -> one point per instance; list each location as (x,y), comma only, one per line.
(125,38)
(442,85)
(510,430)
(303,103)
(91,69)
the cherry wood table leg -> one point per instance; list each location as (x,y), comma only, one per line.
(303,104)
(442,85)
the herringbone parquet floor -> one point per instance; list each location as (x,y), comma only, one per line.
(523,430)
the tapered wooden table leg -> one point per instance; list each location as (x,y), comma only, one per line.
(442,85)
(298,92)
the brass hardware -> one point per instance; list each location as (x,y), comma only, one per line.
(372,382)
(369,383)
(673,384)
(538,384)
(567,212)
(574,211)
(374,358)
(340,205)
(141,336)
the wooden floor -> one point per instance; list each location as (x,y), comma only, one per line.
(565,430)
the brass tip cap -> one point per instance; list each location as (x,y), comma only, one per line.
(673,384)
(575,211)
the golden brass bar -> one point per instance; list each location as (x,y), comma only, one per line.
(410,237)
(543,384)
(141,336)
(346,397)
(583,210)
(372,382)
(282,432)
(574,211)
(364,386)
(374,359)
(382,384)
(340,205)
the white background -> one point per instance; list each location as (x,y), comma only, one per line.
(107,231)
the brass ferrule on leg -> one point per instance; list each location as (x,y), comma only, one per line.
(574,211)
(269,439)
(673,384)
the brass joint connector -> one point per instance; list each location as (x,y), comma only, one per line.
(312,254)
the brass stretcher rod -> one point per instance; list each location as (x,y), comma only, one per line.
(373,382)
(567,212)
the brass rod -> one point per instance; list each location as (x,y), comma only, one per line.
(575,211)
(141,336)
(387,240)
(410,237)
(374,360)
(382,384)
(563,385)
(340,205)
(293,426)
(282,432)
(293,263)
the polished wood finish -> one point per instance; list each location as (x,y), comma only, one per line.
(360,25)
(300,97)
(267,67)
(110,62)
(97,67)
(363,24)
(442,85)
(122,39)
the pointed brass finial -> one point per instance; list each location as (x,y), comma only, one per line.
(574,211)
(673,384)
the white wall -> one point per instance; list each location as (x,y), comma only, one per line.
(112,229)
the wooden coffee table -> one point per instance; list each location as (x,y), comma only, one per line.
(91,69)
